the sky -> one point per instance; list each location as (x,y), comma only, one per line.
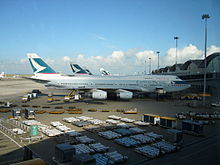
(118,35)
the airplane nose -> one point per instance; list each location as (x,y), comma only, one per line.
(187,86)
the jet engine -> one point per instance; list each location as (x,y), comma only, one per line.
(160,91)
(123,94)
(99,94)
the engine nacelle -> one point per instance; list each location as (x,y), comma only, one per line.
(160,91)
(99,94)
(123,94)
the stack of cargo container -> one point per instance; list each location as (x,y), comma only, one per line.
(16,113)
(29,113)
(168,122)
(83,159)
(192,127)
(127,142)
(174,136)
(64,153)
(152,119)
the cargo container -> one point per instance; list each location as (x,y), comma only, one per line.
(189,126)
(168,122)
(16,113)
(83,159)
(5,104)
(165,146)
(25,98)
(64,153)
(174,136)
(152,119)
(36,91)
(29,113)
(30,95)
(34,95)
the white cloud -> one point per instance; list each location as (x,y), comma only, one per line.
(121,62)
(213,49)
(131,61)
(117,58)
(66,59)
(184,54)
(100,37)
(24,60)
(145,56)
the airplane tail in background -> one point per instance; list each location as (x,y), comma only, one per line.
(78,70)
(2,74)
(104,72)
(39,65)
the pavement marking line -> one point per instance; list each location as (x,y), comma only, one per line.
(11,139)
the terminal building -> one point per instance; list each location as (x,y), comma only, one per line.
(192,71)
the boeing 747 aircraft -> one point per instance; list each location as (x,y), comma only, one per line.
(98,86)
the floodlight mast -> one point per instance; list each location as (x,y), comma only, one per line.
(149,65)
(176,38)
(205,17)
(158,62)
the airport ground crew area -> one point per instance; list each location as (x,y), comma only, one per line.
(102,132)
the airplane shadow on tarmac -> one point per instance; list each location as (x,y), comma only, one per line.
(81,101)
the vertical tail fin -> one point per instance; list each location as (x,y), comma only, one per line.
(38,65)
(104,72)
(77,69)
(2,74)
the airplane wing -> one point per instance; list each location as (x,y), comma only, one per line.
(36,80)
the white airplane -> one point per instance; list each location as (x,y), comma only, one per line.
(98,86)
(2,75)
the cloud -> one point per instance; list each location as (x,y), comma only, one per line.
(213,49)
(66,59)
(145,56)
(117,58)
(100,37)
(50,61)
(134,60)
(24,60)
(119,62)
(184,54)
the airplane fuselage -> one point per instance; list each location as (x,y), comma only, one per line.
(145,83)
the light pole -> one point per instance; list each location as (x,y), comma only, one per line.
(149,65)
(158,63)
(145,71)
(205,17)
(176,38)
